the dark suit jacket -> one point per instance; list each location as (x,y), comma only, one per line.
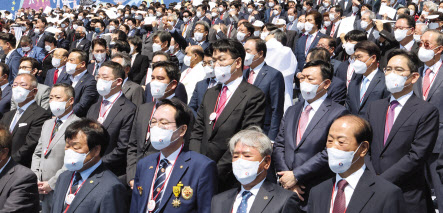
(118,123)
(376,90)
(292,37)
(272,84)
(372,194)
(193,170)
(85,94)
(63,43)
(337,91)
(198,94)
(18,189)
(348,10)
(139,146)
(26,132)
(246,107)
(384,59)
(271,198)
(13,63)
(402,159)
(308,160)
(5,102)
(282,16)
(342,71)
(62,78)
(101,192)
(139,68)
(147,44)
(84,45)
(133,92)
(180,93)
(299,50)
(46,65)
(41,42)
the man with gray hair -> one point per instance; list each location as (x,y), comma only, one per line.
(131,90)
(80,41)
(201,32)
(251,152)
(367,24)
(420,29)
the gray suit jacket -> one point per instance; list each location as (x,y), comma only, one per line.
(49,166)
(133,92)
(42,97)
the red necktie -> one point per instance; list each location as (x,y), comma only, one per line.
(26,54)
(304,119)
(55,76)
(340,198)
(251,77)
(213,21)
(390,119)
(222,102)
(332,30)
(426,83)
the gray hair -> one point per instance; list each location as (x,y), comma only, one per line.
(371,14)
(424,27)
(431,6)
(279,36)
(174,17)
(34,82)
(205,25)
(83,29)
(439,37)
(252,137)
(125,57)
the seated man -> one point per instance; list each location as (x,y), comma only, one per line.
(354,188)
(28,50)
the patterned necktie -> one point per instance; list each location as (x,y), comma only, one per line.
(243,207)
(159,180)
(340,198)
(17,116)
(251,77)
(390,119)
(222,102)
(363,88)
(426,83)
(304,119)
(55,76)
(58,123)
(74,187)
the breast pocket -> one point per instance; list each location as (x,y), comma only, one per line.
(410,128)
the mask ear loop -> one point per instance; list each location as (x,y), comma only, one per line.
(259,165)
(355,152)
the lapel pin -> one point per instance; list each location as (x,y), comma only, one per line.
(140,190)
(151,167)
(266,197)
(91,181)
(181,166)
(187,192)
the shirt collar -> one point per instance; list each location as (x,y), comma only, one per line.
(124,81)
(337,23)
(434,67)
(408,46)
(371,75)
(9,54)
(64,118)
(114,97)
(60,68)
(24,107)
(402,100)
(86,173)
(317,103)
(77,77)
(171,158)
(4,86)
(1,170)
(233,84)
(353,178)
(254,190)
(258,68)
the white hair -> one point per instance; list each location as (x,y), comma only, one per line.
(83,29)
(252,137)
(431,6)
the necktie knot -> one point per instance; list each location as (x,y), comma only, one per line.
(225,88)
(20,111)
(77,178)
(246,194)
(428,72)
(105,102)
(164,163)
(308,108)
(342,184)
(394,104)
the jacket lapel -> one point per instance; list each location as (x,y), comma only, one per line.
(294,124)
(436,84)
(364,192)
(61,132)
(6,174)
(26,114)
(263,197)
(372,85)
(324,108)
(145,181)
(358,81)
(64,188)
(418,86)
(145,124)
(115,109)
(228,203)
(261,75)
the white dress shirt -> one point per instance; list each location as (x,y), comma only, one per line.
(408,46)
(133,58)
(256,71)
(76,79)
(171,158)
(369,77)
(18,115)
(434,70)
(191,77)
(60,69)
(8,56)
(112,99)
(232,86)
(238,198)
(315,106)
(402,101)
(64,118)
(349,189)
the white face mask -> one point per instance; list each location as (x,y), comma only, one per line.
(198,36)
(240,36)
(170,23)
(156,47)
(249,59)
(57,108)
(327,23)
(275,12)
(360,67)
(26,49)
(19,94)
(199,14)
(70,68)
(100,57)
(158,89)
(80,18)
(47,48)
(423,12)
(264,35)
(74,26)
(384,4)
(56,62)
(291,18)
(308,27)
(400,34)
(250,10)
(159,14)
(325,4)
(354,9)
(308,91)
(37,31)
(305,8)
(332,16)
(171,49)
(257,33)
(111,28)
(340,161)
(187,60)
(300,26)
(209,71)
(21,71)
(417,38)
(364,24)
(349,48)
(132,50)
(433,25)
(411,12)
(271,4)
(214,14)
(426,55)
(74,161)
(245,171)
(395,83)
(223,74)
(104,87)
(186,19)
(161,138)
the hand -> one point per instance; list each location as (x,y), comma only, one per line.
(385,16)
(299,190)
(216,27)
(131,183)
(154,24)
(43,187)
(233,13)
(342,38)
(356,2)
(379,25)
(287,179)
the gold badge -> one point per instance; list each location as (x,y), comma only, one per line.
(140,190)
(151,167)
(91,181)
(266,197)
(187,192)
(176,203)
(176,190)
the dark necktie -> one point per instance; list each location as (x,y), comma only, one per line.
(159,181)
(340,199)
(243,207)
(58,123)
(74,187)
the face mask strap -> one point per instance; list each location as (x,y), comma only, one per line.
(356,152)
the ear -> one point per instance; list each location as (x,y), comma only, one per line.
(327,83)
(365,148)
(174,84)
(98,148)
(183,130)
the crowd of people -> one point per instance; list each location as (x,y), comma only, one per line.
(213,106)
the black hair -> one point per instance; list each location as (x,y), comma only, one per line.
(325,67)
(233,47)
(96,134)
(412,58)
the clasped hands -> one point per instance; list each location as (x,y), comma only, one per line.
(288,181)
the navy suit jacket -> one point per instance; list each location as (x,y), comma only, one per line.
(198,94)
(5,102)
(62,78)
(272,84)
(376,90)
(40,43)
(301,47)
(309,159)
(401,160)
(191,169)
(342,71)
(13,63)
(36,52)
(336,92)
(85,94)
(180,93)
(101,192)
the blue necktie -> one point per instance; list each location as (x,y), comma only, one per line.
(363,88)
(243,207)
(161,177)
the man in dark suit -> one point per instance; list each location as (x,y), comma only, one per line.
(115,112)
(164,79)
(226,109)
(346,5)
(308,41)
(18,184)
(277,13)
(269,80)
(133,31)
(139,63)
(25,122)
(299,150)
(246,147)
(80,42)
(11,56)
(87,186)
(131,90)
(405,130)
(354,187)
(368,83)
(5,101)
(40,34)
(194,172)
(84,83)
(58,73)
(336,13)
(430,87)
(200,32)
(99,55)
(148,41)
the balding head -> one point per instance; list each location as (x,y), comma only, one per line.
(196,53)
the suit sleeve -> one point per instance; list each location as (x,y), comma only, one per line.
(277,102)
(23,196)
(199,129)
(131,155)
(424,140)
(138,96)
(115,200)
(135,194)
(179,39)
(278,154)
(40,56)
(291,204)
(207,186)
(396,202)
(143,70)
(44,99)
(89,97)
(193,103)
(35,164)
(338,95)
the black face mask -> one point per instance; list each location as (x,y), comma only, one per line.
(78,36)
(148,27)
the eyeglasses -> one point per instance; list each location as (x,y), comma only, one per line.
(161,124)
(210,63)
(358,57)
(426,45)
(24,67)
